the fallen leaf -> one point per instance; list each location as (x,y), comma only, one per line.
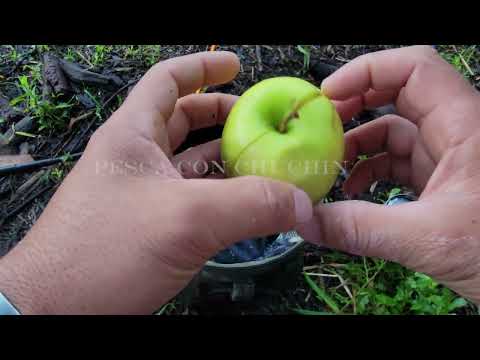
(78,74)
(54,75)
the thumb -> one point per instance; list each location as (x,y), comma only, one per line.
(364,229)
(246,207)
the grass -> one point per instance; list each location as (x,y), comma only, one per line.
(148,54)
(99,54)
(13,53)
(56,174)
(50,115)
(343,284)
(460,56)
(96,100)
(322,295)
(71,55)
(305,50)
(54,115)
(43,48)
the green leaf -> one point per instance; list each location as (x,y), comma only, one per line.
(17,100)
(322,295)
(303,50)
(66,157)
(384,299)
(306,55)
(362,304)
(394,192)
(21,133)
(63,106)
(23,80)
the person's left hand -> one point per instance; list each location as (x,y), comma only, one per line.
(126,231)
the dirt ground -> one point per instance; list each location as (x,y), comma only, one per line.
(91,100)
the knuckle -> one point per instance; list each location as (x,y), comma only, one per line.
(392,119)
(427,50)
(423,52)
(351,235)
(158,67)
(428,55)
(269,199)
(275,201)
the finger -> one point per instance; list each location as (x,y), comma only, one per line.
(389,133)
(347,109)
(399,138)
(169,80)
(380,167)
(392,70)
(351,107)
(376,98)
(151,103)
(364,229)
(197,111)
(431,92)
(199,161)
(247,207)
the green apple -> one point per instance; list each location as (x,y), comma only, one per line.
(284,128)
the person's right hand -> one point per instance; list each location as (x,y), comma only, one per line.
(433,145)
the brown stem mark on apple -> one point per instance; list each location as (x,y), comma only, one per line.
(247,146)
(282,126)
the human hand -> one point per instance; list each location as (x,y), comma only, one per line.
(432,145)
(126,232)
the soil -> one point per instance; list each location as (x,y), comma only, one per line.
(23,196)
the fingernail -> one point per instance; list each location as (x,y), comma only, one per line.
(303,206)
(323,86)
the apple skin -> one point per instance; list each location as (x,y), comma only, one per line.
(310,151)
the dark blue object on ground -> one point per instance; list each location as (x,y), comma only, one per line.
(257,249)
(399,199)
(281,244)
(247,250)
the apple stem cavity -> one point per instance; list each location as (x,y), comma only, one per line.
(282,126)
